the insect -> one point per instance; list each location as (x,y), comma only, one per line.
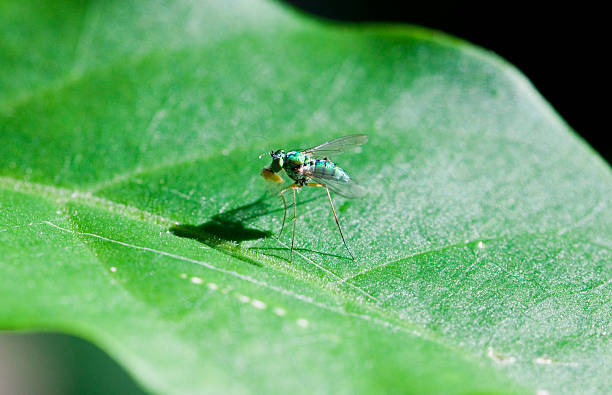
(313,168)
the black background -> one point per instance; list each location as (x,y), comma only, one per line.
(560,48)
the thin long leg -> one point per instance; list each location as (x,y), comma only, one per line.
(312,184)
(338,223)
(294,221)
(293,187)
(284,214)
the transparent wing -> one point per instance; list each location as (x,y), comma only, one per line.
(337,146)
(349,189)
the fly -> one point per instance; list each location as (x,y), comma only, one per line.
(313,168)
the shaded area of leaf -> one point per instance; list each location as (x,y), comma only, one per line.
(227,226)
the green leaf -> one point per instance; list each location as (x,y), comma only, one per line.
(133,215)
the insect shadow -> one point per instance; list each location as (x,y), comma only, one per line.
(224,231)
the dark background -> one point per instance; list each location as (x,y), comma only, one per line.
(561,48)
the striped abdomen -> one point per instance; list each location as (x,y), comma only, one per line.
(325,169)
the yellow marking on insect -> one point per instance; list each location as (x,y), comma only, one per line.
(270,175)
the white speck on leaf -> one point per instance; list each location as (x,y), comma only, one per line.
(280,311)
(499,358)
(543,361)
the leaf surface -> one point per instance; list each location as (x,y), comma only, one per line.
(132,212)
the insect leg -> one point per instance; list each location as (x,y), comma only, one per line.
(312,184)
(284,214)
(293,187)
(294,221)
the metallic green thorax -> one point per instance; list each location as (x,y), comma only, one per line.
(294,166)
(295,159)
